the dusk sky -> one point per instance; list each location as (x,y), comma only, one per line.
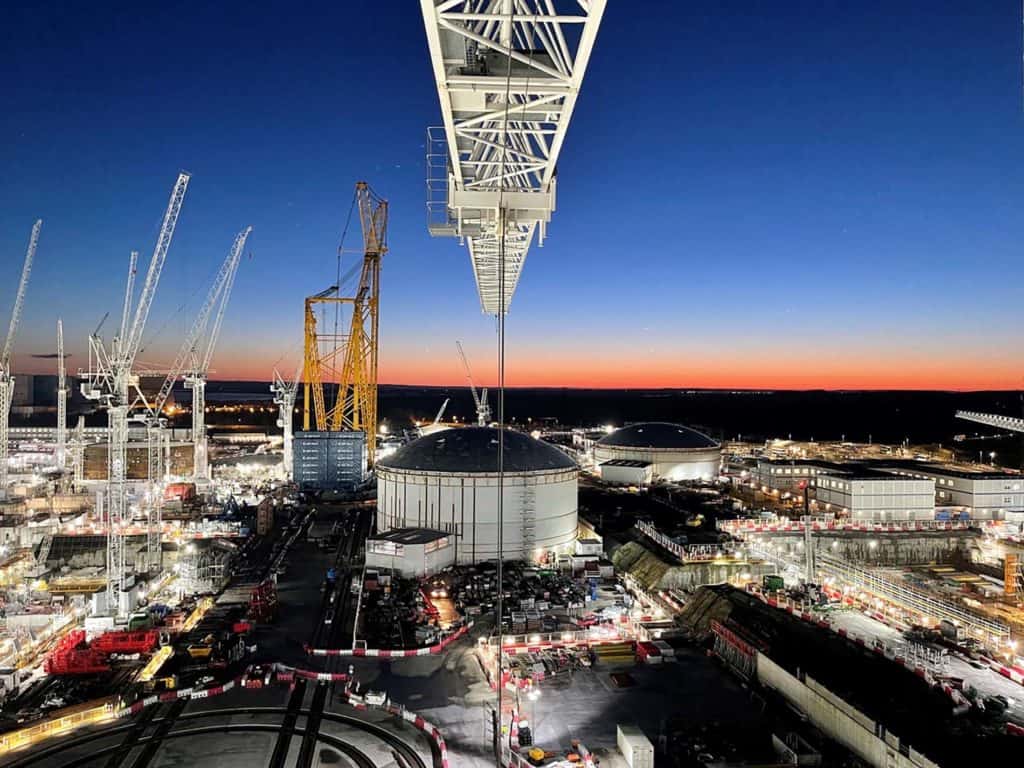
(751,194)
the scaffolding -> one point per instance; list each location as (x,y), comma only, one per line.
(913,599)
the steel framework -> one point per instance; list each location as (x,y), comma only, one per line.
(6,375)
(62,401)
(993,420)
(195,379)
(284,398)
(111,381)
(508,74)
(351,355)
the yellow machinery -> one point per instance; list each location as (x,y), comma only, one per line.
(349,357)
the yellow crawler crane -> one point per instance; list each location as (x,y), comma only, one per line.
(349,357)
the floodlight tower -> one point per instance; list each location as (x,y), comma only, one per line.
(6,375)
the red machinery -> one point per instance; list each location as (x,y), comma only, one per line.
(126,642)
(180,492)
(428,607)
(263,602)
(72,657)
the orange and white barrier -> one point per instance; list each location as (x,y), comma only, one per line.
(386,653)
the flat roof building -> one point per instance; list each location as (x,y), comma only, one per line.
(411,552)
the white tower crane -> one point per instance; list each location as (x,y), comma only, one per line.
(62,401)
(110,380)
(284,398)
(1011,423)
(6,375)
(188,356)
(483,410)
(195,379)
(508,74)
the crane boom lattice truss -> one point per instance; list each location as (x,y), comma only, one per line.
(349,357)
(111,380)
(508,74)
(993,420)
(483,409)
(6,374)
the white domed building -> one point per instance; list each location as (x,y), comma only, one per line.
(448,481)
(656,450)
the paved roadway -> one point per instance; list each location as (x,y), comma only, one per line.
(984,680)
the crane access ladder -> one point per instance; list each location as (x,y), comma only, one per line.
(529,522)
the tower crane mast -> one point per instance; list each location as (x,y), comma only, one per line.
(62,400)
(284,398)
(110,380)
(6,374)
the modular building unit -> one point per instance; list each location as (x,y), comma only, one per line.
(329,461)
(626,472)
(411,552)
(635,746)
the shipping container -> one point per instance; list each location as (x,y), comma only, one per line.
(635,746)
(773,583)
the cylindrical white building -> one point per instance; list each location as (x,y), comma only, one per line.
(674,452)
(448,481)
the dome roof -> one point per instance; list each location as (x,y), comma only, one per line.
(475,449)
(657,434)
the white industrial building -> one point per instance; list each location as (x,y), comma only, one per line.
(788,475)
(411,552)
(674,452)
(448,481)
(971,493)
(626,472)
(868,495)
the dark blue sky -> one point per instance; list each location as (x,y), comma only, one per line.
(751,194)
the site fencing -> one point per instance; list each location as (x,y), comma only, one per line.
(687,553)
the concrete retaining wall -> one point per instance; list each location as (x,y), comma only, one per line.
(838,719)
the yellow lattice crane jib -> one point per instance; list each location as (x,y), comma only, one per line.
(349,357)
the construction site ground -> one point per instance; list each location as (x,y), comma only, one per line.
(986,681)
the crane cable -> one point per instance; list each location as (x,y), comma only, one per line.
(499,603)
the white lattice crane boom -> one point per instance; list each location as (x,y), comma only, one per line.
(129,292)
(508,75)
(1011,423)
(6,375)
(188,355)
(196,378)
(110,380)
(483,410)
(130,347)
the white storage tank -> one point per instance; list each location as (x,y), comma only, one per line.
(635,746)
(674,452)
(448,481)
